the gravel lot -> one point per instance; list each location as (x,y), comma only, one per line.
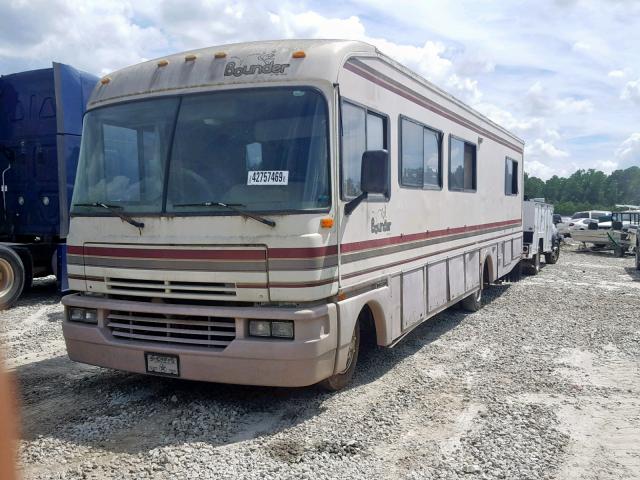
(543,382)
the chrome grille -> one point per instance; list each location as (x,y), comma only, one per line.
(170,289)
(209,332)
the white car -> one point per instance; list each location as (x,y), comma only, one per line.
(580,224)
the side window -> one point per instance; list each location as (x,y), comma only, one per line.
(361,131)
(420,156)
(510,177)
(462,165)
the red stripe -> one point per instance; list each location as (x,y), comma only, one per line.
(412,237)
(415,98)
(171,254)
(311,252)
(303,252)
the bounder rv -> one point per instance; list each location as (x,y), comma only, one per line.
(247,213)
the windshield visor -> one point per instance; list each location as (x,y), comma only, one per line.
(262,150)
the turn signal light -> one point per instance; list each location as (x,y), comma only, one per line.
(298,54)
(326,222)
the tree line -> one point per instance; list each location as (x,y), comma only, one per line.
(587,190)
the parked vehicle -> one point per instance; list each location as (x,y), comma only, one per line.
(593,214)
(540,236)
(40,126)
(581,224)
(618,233)
(562,225)
(250,213)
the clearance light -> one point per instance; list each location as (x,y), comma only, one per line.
(105,80)
(219,55)
(298,54)
(326,222)
(189,58)
(163,63)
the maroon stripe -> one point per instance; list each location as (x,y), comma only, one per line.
(303,252)
(412,237)
(424,102)
(175,254)
(413,259)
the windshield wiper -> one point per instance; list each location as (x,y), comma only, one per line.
(114,209)
(230,206)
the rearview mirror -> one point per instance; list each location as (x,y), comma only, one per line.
(374,177)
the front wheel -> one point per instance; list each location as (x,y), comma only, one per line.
(340,380)
(12,277)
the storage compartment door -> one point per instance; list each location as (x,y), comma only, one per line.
(413,298)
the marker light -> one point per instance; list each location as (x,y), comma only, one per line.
(189,58)
(298,54)
(219,55)
(163,62)
(326,222)
(105,80)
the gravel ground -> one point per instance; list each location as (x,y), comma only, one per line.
(543,382)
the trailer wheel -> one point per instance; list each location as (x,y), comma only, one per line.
(340,380)
(533,265)
(619,251)
(553,256)
(12,276)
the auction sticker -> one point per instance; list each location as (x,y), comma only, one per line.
(268,177)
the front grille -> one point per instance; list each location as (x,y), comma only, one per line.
(170,289)
(208,332)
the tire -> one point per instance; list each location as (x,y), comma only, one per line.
(473,302)
(552,257)
(12,277)
(533,265)
(619,252)
(338,381)
(638,256)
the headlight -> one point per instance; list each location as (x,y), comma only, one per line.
(274,329)
(84,315)
(259,328)
(282,329)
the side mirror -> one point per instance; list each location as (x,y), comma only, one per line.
(374,177)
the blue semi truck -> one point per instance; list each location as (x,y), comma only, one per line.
(40,129)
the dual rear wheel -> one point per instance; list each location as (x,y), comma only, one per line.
(13,277)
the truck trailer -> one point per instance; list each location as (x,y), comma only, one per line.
(248,213)
(541,238)
(40,126)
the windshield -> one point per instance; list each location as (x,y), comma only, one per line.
(261,150)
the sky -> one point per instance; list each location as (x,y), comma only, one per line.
(564,75)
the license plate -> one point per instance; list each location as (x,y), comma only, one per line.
(162,364)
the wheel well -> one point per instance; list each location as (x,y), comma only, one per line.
(487,270)
(371,319)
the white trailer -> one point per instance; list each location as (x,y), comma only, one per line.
(245,213)
(540,235)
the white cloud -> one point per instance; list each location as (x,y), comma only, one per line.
(631,92)
(616,74)
(628,154)
(581,47)
(541,148)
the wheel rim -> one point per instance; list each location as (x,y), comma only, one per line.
(6,277)
(352,349)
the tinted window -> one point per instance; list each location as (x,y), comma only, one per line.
(361,131)
(580,215)
(511,177)
(420,155)
(462,165)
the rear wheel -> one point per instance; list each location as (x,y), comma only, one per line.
(553,256)
(473,302)
(12,277)
(533,265)
(340,380)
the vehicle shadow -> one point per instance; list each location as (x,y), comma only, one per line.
(43,289)
(633,272)
(129,413)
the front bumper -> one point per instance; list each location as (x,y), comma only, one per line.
(305,360)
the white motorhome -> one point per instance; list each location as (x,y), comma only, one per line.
(244,213)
